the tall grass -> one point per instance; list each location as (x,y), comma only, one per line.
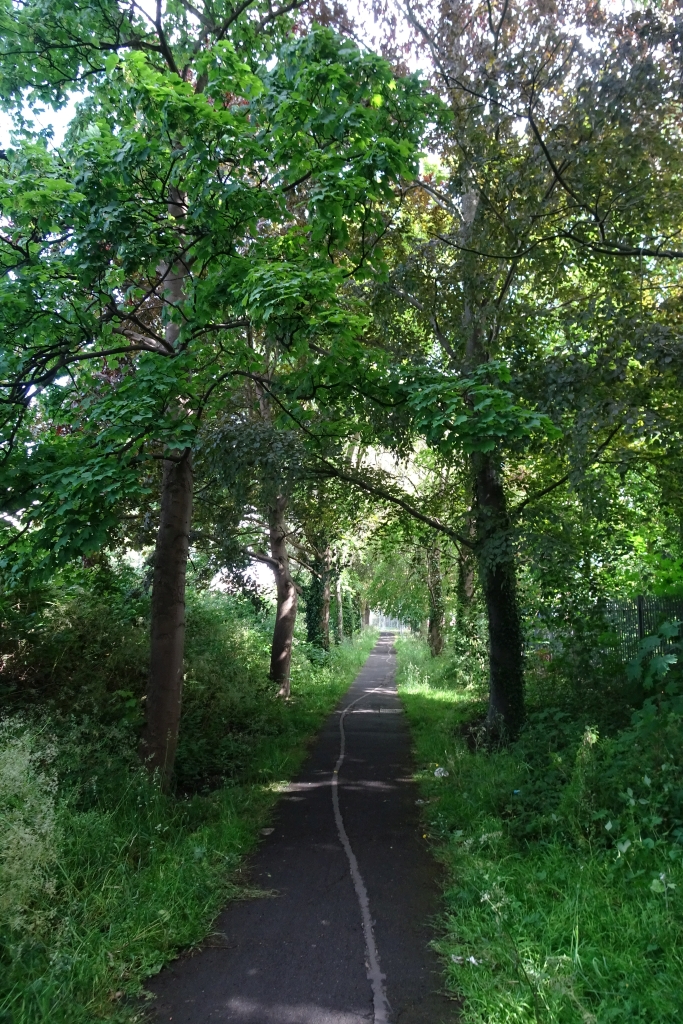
(103,877)
(563,895)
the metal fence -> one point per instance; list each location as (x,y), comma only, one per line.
(633,620)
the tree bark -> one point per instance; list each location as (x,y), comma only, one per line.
(324,613)
(466,570)
(495,556)
(366,614)
(165,686)
(159,740)
(467,565)
(339,631)
(499,584)
(318,598)
(348,615)
(437,612)
(287,598)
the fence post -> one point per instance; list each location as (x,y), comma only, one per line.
(640,602)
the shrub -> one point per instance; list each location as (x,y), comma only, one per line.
(29,836)
(562,851)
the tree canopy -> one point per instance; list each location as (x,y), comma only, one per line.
(273,299)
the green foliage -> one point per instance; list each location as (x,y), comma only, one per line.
(563,851)
(102,877)
(473,413)
(30,834)
(397,578)
(283,153)
(657,655)
(77,642)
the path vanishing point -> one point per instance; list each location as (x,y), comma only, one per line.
(345,940)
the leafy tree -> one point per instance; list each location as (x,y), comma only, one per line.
(518,277)
(221,177)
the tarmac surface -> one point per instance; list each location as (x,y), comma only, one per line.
(345,940)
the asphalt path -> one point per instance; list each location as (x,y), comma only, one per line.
(345,940)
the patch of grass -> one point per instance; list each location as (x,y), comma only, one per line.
(564,890)
(111,877)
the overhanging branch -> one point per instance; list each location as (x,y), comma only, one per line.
(382,492)
(563,480)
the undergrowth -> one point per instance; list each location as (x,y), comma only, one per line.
(563,900)
(102,877)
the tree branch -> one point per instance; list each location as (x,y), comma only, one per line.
(382,492)
(563,480)
(261,556)
(608,248)
(232,18)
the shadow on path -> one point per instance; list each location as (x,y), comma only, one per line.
(301,957)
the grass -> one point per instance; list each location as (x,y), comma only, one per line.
(105,878)
(562,854)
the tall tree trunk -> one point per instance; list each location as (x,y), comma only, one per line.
(324,607)
(437,611)
(466,569)
(287,598)
(495,556)
(164,691)
(467,565)
(159,740)
(339,630)
(347,613)
(499,584)
(366,614)
(318,601)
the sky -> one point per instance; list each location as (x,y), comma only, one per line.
(58,119)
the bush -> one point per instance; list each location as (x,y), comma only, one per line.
(78,643)
(29,836)
(102,877)
(563,851)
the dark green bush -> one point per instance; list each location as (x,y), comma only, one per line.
(103,877)
(563,851)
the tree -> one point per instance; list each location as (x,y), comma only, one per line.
(202,194)
(544,201)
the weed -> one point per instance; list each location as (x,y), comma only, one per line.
(103,878)
(563,855)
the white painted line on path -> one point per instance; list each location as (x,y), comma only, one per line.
(375,976)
